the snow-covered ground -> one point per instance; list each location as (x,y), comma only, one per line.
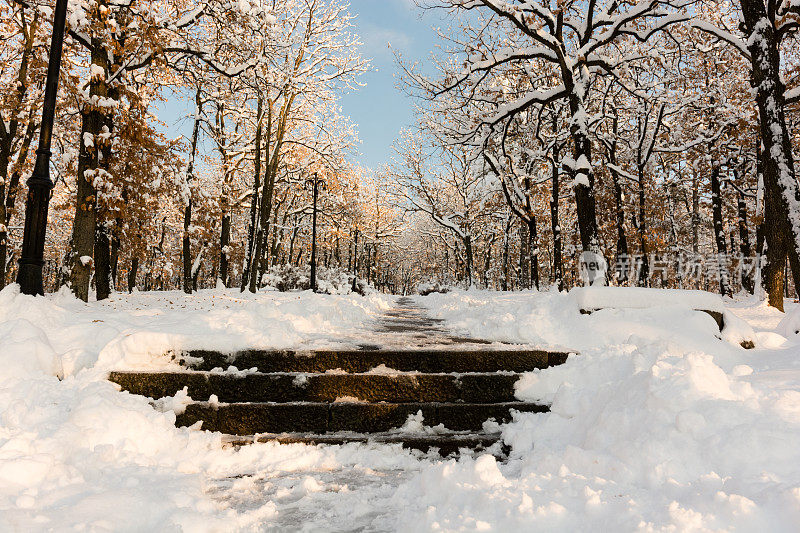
(657,425)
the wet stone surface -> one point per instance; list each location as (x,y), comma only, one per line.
(410,324)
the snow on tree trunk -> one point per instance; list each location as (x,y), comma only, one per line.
(782,194)
(186,244)
(85,221)
(582,173)
(557,275)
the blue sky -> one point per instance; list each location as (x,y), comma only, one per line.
(380,109)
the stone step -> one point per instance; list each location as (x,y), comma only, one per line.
(395,388)
(445,444)
(320,418)
(358,361)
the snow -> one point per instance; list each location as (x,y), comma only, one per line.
(792,94)
(591,298)
(656,424)
(96,72)
(581,179)
(416,424)
(790,325)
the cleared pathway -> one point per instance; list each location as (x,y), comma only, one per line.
(365,390)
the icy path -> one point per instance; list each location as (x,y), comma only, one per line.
(408,324)
(350,499)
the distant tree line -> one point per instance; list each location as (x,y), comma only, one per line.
(659,136)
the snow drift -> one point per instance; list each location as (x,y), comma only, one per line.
(657,424)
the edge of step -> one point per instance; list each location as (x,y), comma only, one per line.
(322,418)
(445,443)
(425,360)
(328,387)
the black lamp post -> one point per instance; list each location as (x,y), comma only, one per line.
(315,182)
(31,261)
(355,262)
(368,251)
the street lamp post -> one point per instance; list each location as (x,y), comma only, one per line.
(315,182)
(368,252)
(355,262)
(31,261)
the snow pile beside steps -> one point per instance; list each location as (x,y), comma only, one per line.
(656,425)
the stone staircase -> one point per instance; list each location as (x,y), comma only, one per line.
(407,364)
(338,396)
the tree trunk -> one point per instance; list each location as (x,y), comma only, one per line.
(275,247)
(9,139)
(504,283)
(355,261)
(189,282)
(186,247)
(262,236)
(6,208)
(102,262)
(673,236)
(487,263)
(277,240)
(224,248)
(772,273)
(583,176)
(115,245)
(102,272)
(132,273)
(695,213)
(4,218)
(719,232)
(744,246)
(524,255)
(350,257)
(251,235)
(293,239)
(225,201)
(644,270)
(623,259)
(557,275)
(268,186)
(85,221)
(533,250)
(780,184)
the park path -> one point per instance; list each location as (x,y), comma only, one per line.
(374,387)
(408,324)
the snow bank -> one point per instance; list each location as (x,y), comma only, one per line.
(593,298)
(790,325)
(77,454)
(648,438)
(657,424)
(135,331)
(734,330)
(551,319)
